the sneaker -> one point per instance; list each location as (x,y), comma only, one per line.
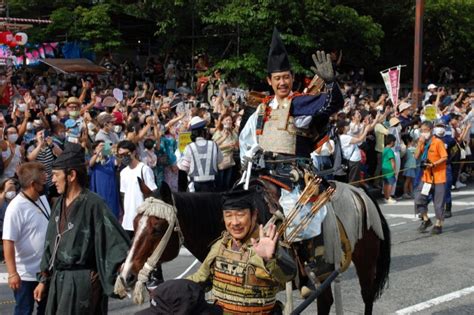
(460,185)
(407,196)
(448,214)
(390,201)
(436,230)
(424,225)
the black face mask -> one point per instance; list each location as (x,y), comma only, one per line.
(44,189)
(126,160)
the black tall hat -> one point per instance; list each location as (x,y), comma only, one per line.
(238,199)
(277,56)
(72,156)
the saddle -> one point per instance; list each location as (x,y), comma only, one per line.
(310,254)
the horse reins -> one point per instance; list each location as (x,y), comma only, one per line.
(160,209)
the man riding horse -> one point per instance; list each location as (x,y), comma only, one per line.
(288,126)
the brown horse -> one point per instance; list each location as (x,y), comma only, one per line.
(200,221)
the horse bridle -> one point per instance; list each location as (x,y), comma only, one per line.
(160,209)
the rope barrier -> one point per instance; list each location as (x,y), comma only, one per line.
(401,170)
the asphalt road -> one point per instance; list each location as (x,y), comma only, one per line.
(429,274)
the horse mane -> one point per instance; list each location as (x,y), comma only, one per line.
(200,219)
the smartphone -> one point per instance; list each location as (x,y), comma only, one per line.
(106,149)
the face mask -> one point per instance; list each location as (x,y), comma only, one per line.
(439,131)
(29,126)
(10,195)
(61,136)
(74,114)
(227,126)
(12,138)
(426,135)
(126,160)
(74,89)
(126,87)
(22,107)
(43,191)
(117,128)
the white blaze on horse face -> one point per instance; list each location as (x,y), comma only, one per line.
(127,266)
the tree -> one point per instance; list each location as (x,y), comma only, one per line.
(76,20)
(92,24)
(237,32)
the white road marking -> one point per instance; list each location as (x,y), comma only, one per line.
(403,216)
(462,193)
(411,203)
(396,224)
(187,270)
(436,301)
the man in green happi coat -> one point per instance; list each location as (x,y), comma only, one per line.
(85,245)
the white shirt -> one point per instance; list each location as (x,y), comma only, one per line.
(133,196)
(25,225)
(350,150)
(327,149)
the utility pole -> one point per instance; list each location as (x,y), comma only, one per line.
(418,53)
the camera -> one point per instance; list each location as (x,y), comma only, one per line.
(424,164)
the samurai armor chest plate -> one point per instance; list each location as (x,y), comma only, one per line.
(241,288)
(279,132)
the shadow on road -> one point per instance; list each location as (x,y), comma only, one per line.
(406,262)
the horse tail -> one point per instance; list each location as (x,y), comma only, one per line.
(383,260)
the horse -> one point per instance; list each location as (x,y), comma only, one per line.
(199,223)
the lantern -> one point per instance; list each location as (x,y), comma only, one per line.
(21,38)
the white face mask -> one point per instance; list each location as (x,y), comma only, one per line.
(12,138)
(117,128)
(227,126)
(10,195)
(439,131)
(426,135)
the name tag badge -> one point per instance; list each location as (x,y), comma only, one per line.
(425,191)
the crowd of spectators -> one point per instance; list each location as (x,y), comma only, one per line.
(135,123)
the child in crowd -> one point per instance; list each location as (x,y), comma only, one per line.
(409,167)
(388,168)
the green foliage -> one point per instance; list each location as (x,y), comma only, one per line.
(236,33)
(92,24)
(448,33)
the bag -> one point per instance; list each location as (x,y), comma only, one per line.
(146,191)
(467,148)
(227,162)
